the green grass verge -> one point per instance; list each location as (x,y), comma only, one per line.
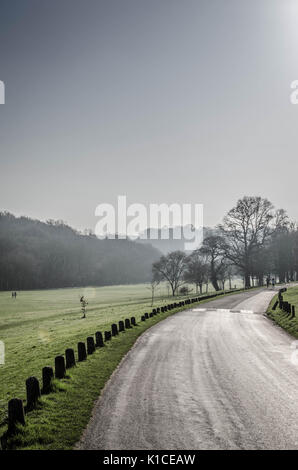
(280,317)
(61,416)
(40,325)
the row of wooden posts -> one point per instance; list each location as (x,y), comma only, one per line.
(16,410)
(284,305)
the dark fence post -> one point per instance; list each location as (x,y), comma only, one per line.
(293,311)
(108,335)
(33,392)
(59,367)
(146,316)
(275,305)
(114,329)
(133,321)
(90,345)
(82,354)
(121,325)
(99,339)
(285,306)
(127,323)
(70,358)
(47,377)
(143,318)
(15,413)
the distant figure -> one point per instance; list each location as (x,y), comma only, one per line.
(268,282)
(14,295)
(83,306)
(273,282)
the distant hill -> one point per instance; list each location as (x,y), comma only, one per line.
(165,246)
(38,255)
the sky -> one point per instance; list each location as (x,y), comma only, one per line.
(164,101)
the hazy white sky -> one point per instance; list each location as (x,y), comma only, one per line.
(160,100)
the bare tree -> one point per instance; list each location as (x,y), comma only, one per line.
(196,270)
(224,273)
(84,304)
(153,285)
(213,249)
(170,268)
(246,229)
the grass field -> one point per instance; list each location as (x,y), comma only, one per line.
(280,317)
(39,325)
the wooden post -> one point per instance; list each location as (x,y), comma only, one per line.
(121,325)
(82,354)
(114,329)
(59,367)
(127,323)
(133,321)
(47,377)
(108,335)
(90,345)
(275,305)
(70,358)
(99,339)
(15,413)
(33,392)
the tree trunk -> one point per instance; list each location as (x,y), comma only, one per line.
(213,277)
(247,281)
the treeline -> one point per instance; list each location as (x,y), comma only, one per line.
(254,241)
(38,255)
